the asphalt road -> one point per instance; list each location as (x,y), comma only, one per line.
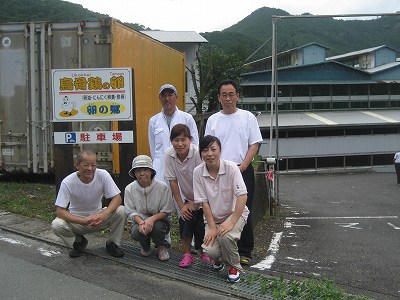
(344,227)
(32,269)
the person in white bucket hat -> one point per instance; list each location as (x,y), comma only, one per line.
(148,205)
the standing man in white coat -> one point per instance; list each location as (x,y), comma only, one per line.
(160,127)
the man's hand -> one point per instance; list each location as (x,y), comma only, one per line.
(95,220)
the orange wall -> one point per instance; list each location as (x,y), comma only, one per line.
(154,64)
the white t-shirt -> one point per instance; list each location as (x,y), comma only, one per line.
(221,193)
(236,132)
(397,158)
(85,199)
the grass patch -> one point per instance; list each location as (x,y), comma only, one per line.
(315,288)
(29,199)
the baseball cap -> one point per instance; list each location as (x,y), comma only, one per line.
(167,86)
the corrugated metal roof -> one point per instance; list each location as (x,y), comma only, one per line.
(359,52)
(382,67)
(175,36)
(331,118)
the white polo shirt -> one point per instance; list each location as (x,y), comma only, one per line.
(221,193)
(182,171)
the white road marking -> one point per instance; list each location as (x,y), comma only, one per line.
(372,114)
(349,225)
(289,225)
(332,218)
(395,227)
(15,242)
(297,259)
(48,253)
(42,251)
(273,250)
(321,119)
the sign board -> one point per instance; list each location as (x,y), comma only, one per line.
(93,137)
(92,94)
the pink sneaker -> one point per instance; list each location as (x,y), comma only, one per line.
(186,261)
(204,256)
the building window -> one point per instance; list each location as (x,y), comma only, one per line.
(358,161)
(395,88)
(284,91)
(358,104)
(340,105)
(379,89)
(301,163)
(330,162)
(301,106)
(320,105)
(378,104)
(382,159)
(320,90)
(340,90)
(359,90)
(300,91)
(394,103)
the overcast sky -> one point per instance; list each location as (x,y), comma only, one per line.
(212,15)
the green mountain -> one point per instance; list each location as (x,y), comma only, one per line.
(340,36)
(49,10)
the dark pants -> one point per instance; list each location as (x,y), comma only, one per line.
(193,228)
(246,242)
(160,230)
(397,167)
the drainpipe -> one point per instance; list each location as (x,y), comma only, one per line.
(33,99)
(44,99)
(49,96)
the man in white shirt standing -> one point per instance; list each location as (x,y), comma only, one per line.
(396,161)
(160,126)
(240,136)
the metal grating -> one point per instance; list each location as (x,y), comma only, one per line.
(199,273)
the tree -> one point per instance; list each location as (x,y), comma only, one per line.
(213,66)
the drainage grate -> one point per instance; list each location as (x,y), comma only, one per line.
(199,273)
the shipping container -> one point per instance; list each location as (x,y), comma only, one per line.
(28,54)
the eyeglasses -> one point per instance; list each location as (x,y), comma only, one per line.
(230,95)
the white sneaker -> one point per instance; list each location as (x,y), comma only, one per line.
(233,275)
(163,254)
(145,252)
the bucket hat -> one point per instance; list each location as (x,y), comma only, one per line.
(141,161)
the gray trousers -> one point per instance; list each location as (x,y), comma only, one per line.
(158,234)
(67,231)
(225,247)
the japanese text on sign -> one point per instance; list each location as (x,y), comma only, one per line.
(92,94)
